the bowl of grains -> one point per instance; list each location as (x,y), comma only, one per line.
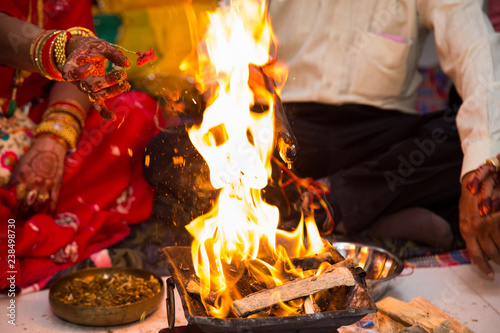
(106,296)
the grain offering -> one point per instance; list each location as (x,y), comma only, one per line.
(106,290)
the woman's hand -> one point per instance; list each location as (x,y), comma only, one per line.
(38,176)
(86,67)
(480,216)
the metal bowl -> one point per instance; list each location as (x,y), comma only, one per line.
(105,316)
(380,265)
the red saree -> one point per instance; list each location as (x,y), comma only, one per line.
(103,188)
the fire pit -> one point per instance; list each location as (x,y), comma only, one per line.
(353,304)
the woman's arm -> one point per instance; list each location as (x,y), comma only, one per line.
(16,37)
(38,175)
(82,61)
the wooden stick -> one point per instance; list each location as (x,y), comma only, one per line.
(292,290)
(411,315)
(194,287)
(434,311)
(348,263)
(386,324)
(312,262)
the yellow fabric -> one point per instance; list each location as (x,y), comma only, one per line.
(115,6)
(164,28)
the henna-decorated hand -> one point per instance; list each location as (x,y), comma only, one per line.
(480,216)
(86,67)
(38,176)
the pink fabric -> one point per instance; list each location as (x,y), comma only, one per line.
(396,38)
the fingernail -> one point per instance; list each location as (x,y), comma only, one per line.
(474,185)
(108,115)
(125,86)
(119,75)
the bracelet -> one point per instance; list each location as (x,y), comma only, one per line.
(80,31)
(63,37)
(69,106)
(48,50)
(60,47)
(62,130)
(41,52)
(34,49)
(65,118)
(49,60)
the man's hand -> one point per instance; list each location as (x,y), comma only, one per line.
(481,232)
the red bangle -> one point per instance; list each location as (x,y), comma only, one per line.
(48,59)
(69,106)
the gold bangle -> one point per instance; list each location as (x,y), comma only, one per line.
(60,48)
(53,61)
(70,107)
(66,118)
(62,130)
(34,48)
(80,31)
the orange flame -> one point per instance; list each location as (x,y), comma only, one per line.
(240,233)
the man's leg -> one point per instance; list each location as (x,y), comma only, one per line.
(378,162)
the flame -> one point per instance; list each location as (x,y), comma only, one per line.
(241,232)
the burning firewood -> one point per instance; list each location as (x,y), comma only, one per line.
(313,262)
(194,287)
(294,289)
(310,306)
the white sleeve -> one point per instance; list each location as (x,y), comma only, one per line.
(469,53)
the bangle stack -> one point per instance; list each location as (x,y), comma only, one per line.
(49,50)
(63,121)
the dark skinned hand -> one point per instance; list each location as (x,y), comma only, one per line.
(480,217)
(38,176)
(86,67)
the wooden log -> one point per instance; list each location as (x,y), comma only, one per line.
(411,315)
(413,329)
(313,262)
(434,311)
(194,287)
(386,324)
(348,263)
(310,307)
(292,290)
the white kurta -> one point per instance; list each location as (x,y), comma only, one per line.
(367,51)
